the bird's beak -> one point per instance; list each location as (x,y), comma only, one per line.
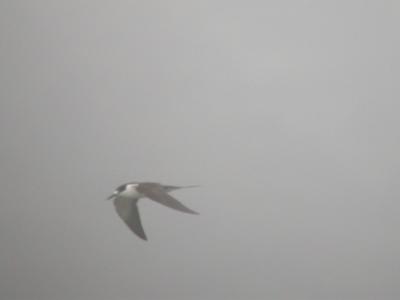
(112,196)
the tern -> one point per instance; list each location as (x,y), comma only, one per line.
(126,197)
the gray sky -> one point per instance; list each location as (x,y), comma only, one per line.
(286,112)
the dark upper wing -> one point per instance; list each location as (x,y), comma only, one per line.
(157,193)
(128,211)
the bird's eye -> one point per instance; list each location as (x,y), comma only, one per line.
(120,189)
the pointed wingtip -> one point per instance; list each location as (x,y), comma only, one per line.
(142,237)
(186,186)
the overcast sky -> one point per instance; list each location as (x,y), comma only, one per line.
(285,112)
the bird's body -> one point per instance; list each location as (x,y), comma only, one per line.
(130,191)
(127,195)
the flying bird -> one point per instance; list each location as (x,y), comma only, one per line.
(127,195)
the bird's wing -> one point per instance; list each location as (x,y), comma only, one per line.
(157,193)
(128,211)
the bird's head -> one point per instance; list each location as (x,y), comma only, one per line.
(121,189)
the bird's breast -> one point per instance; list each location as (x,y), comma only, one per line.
(131,193)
